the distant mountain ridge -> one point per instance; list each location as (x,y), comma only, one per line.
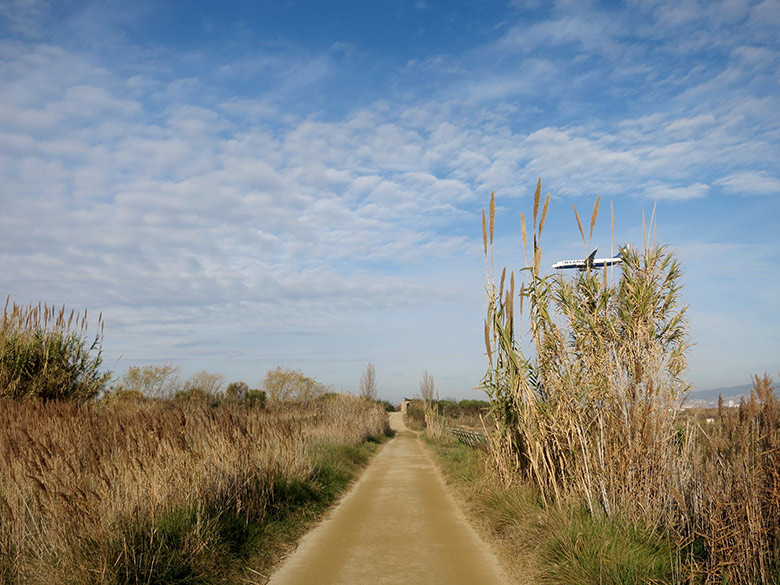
(709,397)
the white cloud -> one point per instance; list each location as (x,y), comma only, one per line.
(751,183)
(25,16)
(695,191)
(687,127)
(590,31)
(176,204)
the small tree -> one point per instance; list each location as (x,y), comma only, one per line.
(202,385)
(368,383)
(237,390)
(283,384)
(427,389)
(204,382)
(160,381)
(256,398)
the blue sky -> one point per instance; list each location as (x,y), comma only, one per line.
(238,185)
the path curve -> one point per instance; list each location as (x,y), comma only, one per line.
(397,526)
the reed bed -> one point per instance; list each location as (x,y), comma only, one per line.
(587,409)
(734,501)
(124,492)
(47,352)
(338,418)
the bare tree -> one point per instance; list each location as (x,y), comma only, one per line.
(368,383)
(283,384)
(161,381)
(205,383)
(427,390)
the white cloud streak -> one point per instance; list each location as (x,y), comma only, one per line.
(179,207)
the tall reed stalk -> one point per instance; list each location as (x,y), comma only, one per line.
(588,408)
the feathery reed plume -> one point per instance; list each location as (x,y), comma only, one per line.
(579,225)
(590,413)
(492,215)
(525,237)
(484,232)
(537,196)
(544,214)
(593,219)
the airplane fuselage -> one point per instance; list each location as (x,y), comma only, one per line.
(588,263)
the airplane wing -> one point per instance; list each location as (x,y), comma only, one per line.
(590,259)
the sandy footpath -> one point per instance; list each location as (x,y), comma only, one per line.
(398,525)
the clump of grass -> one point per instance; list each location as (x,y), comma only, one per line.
(599,550)
(586,410)
(161,491)
(551,544)
(46,352)
(593,403)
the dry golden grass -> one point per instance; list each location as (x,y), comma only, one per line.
(587,410)
(734,497)
(85,489)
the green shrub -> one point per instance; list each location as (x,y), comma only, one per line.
(256,398)
(415,414)
(237,390)
(46,353)
(124,394)
(197,394)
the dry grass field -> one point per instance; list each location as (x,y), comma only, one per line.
(586,412)
(157,491)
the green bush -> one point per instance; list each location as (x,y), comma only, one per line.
(415,414)
(256,398)
(237,390)
(46,353)
(197,394)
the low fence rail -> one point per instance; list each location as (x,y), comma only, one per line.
(470,438)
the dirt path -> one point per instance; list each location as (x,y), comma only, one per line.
(398,525)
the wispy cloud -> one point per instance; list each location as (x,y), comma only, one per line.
(187,192)
(751,183)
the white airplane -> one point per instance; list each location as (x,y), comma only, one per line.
(589,262)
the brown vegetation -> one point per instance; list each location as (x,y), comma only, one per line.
(282,384)
(587,410)
(108,492)
(368,388)
(733,502)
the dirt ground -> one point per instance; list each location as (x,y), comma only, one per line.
(399,525)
